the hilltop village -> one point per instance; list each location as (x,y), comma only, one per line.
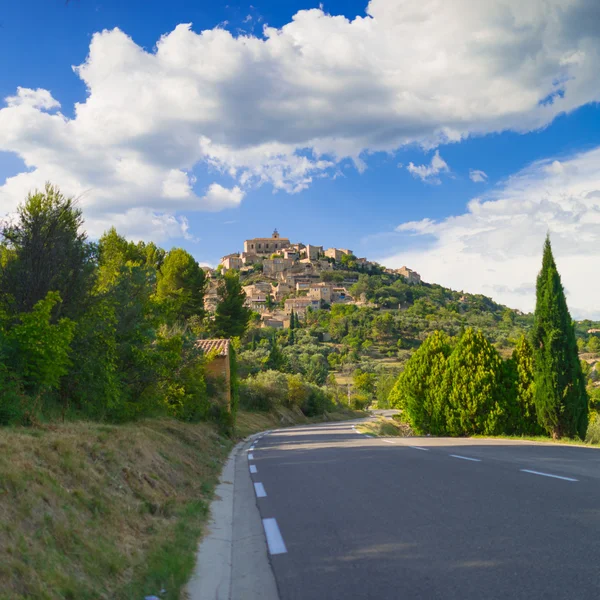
(282,277)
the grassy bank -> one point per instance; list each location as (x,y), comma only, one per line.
(90,511)
(385,427)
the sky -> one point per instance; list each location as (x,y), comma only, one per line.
(445,135)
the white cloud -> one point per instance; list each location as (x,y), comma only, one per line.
(287,107)
(429,173)
(218,197)
(140,224)
(495,247)
(41,99)
(477,176)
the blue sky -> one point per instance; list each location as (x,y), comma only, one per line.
(325,127)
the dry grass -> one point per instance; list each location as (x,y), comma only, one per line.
(92,512)
(88,510)
(385,427)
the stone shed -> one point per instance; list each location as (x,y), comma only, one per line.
(218,369)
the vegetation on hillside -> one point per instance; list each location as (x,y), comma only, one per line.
(462,386)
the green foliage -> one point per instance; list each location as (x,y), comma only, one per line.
(181,284)
(268,390)
(560,396)
(38,350)
(419,390)
(594,344)
(275,360)
(120,344)
(473,386)
(520,370)
(45,251)
(231,316)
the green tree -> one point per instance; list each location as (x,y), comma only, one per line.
(46,250)
(473,386)
(38,349)
(593,344)
(231,316)
(317,370)
(560,396)
(519,385)
(418,391)
(275,361)
(181,284)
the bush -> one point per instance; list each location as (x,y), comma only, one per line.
(269,390)
(264,391)
(593,431)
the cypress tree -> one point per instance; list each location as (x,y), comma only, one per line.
(473,387)
(560,396)
(523,418)
(417,390)
(275,360)
(292,321)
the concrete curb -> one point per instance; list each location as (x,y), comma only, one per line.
(212,578)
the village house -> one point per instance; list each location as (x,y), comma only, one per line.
(291,253)
(337,253)
(266,246)
(321,292)
(313,252)
(299,305)
(231,261)
(409,275)
(272,266)
(280,291)
(303,285)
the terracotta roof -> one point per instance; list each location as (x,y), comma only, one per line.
(221,346)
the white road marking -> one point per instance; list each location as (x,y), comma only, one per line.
(549,475)
(389,441)
(419,448)
(250,456)
(251,448)
(465,457)
(253,469)
(274,539)
(259,488)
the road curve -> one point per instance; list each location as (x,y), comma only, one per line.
(348,516)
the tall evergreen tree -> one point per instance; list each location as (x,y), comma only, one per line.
(418,389)
(519,386)
(561,399)
(231,316)
(276,359)
(292,320)
(473,388)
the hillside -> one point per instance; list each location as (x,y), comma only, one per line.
(371,324)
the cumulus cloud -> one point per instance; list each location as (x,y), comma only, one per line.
(429,173)
(41,99)
(477,176)
(286,107)
(495,247)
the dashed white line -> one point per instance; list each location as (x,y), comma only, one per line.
(389,441)
(549,475)
(465,457)
(250,456)
(259,488)
(419,448)
(253,469)
(274,539)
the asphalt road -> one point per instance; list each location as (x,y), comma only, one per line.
(358,517)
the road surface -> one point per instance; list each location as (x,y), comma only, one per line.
(348,516)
